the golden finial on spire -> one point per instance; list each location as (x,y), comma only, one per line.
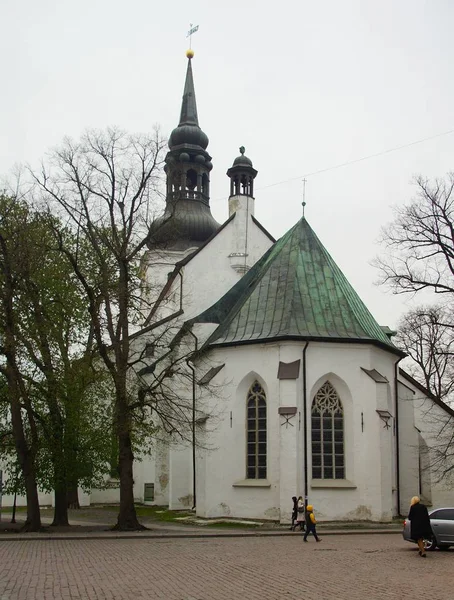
(192,29)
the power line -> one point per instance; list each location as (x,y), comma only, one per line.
(357,160)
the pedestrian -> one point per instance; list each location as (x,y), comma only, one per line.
(419,524)
(300,513)
(294,513)
(310,523)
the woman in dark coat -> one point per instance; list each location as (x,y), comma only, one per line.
(419,524)
(294,513)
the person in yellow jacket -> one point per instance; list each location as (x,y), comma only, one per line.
(310,523)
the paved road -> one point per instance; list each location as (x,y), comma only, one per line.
(379,566)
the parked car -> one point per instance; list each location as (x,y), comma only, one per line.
(442,523)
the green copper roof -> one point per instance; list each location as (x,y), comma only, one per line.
(296,291)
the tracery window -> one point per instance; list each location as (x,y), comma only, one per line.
(327,426)
(256,432)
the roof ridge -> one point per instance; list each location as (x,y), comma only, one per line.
(255,274)
(352,297)
(296,290)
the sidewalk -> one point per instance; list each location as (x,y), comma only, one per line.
(99,527)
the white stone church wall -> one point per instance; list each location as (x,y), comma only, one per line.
(408,448)
(208,276)
(227,493)
(204,279)
(367,491)
(435,426)
(361,495)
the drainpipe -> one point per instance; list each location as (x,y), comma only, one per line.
(306,486)
(396,411)
(196,341)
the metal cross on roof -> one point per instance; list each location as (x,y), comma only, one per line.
(304,195)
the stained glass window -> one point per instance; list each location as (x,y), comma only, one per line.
(256,432)
(327,427)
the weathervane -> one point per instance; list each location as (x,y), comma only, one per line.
(192,29)
(304,195)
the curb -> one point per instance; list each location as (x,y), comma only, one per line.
(163,536)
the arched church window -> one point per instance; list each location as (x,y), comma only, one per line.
(327,427)
(256,432)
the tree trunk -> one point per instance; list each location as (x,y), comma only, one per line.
(127,517)
(72,497)
(25,457)
(60,492)
(61,508)
(33,522)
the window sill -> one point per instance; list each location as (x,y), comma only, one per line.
(252,483)
(333,484)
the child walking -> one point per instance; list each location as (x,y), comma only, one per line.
(310,523)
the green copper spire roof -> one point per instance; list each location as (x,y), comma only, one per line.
(295,291)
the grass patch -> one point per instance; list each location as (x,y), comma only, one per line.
(160,513)
(233,525)
(23,509)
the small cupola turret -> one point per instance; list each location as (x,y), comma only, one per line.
(242,175)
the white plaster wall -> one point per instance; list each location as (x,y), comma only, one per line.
(340,364)
(225,461)
(431,421)
(161,483)
(44,499)
(107,496)
(201,478)
(180,478)
(387,365)
(157,265)
(408,449)
(8,500)
(144,472)
(208,276)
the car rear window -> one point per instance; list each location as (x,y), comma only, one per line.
(444,513)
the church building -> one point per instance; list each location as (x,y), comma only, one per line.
(309,398)
(296,389)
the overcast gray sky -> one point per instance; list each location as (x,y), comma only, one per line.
(303,85)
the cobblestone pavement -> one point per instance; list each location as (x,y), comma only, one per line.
(380,566)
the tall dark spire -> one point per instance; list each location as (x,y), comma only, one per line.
(188,131)
(187,220)
(188,114)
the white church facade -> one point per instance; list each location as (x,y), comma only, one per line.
(308,395)
(300,389)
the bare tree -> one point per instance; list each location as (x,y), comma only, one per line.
(426,334)
(420,258)
(420,241)
(106,187)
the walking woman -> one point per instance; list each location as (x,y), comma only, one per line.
(294,513)
(419,524)
(300,519)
